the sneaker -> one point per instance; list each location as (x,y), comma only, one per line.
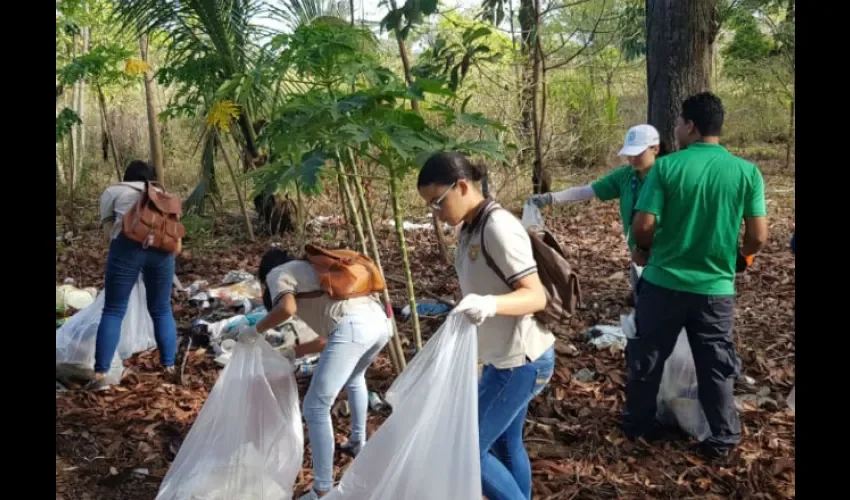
(710,453)
(97,385)
(350,449)
(310,495)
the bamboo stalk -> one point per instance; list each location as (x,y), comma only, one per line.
(395,349)
(352,209)
(399,229)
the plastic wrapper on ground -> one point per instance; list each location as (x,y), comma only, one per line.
(247,442)
(428,448)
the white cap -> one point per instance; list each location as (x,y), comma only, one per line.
(638,139)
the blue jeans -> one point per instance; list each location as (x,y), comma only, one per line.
(351,348)
(503,397)
(125,261)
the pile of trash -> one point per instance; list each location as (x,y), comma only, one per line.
(237,302)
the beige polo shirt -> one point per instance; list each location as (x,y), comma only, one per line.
(319,312)
(503,341)
(116,201)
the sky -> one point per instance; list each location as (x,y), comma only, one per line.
(374,11)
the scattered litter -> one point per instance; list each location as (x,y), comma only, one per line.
(375,402)
(113,471)
(70,297)
(418,226)
(237,277)
(424,307)
(759,400)
(141,472)
(585,375)
(749,380)
(606,336)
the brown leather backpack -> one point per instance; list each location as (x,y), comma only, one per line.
(155,220)
(345,274)
(563,292)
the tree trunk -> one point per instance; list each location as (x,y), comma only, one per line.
(528,91)
(153,122)
(408,275)
(789,147)
(242,207)
(108,131)
(679,45)
(405,63)
(395,349)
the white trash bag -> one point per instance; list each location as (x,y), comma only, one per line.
(247,441)
(428,448)
(678,397)
(531,215)
(76,339)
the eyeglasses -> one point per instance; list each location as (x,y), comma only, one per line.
(436,204)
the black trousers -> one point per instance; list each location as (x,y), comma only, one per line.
(660,315)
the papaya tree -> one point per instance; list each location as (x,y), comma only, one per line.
(329,125)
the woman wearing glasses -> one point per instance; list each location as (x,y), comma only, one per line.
(624,183)
(517,352)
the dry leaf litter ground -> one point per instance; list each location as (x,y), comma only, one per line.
(119,445)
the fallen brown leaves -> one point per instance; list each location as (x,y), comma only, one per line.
(572,432)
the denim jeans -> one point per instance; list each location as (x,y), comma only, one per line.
(125,261)
(351,348)
(503,397)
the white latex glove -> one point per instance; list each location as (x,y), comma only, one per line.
(248,335)
(477,308)
(541,200)
(288,353)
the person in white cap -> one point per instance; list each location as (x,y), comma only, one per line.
(624,183)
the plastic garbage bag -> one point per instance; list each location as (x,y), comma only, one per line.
(531,215)
(76,338)
(247,442)
(678,396)
(428,448)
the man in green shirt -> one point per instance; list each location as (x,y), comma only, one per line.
(624,183)
(686,233)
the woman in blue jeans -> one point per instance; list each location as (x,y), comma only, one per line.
(516,351)
(351,334)
(125,261)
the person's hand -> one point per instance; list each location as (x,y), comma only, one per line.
(248,335)
(477,308)
(743,262)
(640,257)
(541,200)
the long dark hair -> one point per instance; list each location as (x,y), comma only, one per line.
(139,171)
(447,167)
(272,259)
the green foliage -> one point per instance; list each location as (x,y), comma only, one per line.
(65,122)
(319,125)
(450,60)
(103,65)
(404,18)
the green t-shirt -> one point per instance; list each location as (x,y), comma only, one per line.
(702,193)
(624,184)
